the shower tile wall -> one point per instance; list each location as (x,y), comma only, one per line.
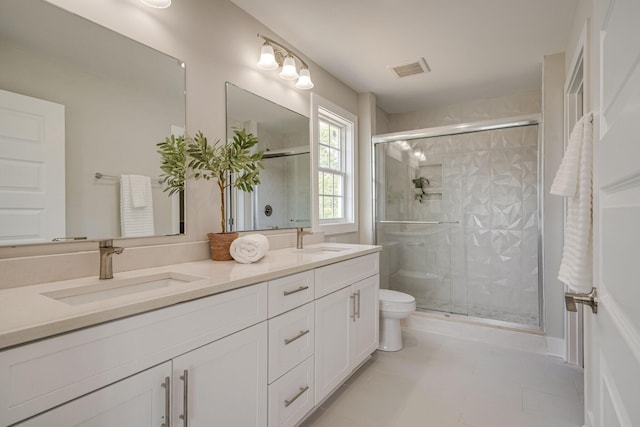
(487,265)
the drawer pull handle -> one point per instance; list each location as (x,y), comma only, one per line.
(288,341)
(295,291)
(358,305)
(294,398)
(185,398)
(167,401)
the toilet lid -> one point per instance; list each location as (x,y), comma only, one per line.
(388,295)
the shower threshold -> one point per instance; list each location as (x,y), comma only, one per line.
(480,321)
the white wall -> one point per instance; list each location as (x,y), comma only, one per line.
(218,43)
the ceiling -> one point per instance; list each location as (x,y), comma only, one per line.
(475,48)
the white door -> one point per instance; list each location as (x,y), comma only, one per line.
(32,186)
(612,337)
(138,401)
(225,382)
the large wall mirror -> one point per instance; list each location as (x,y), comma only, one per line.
(82,109)
(283,198)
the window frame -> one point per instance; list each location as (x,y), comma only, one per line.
(321,109)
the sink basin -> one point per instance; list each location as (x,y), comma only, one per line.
(112,288)
(321,250)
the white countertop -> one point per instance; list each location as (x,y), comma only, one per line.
(26,314)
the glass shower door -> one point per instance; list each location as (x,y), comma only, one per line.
(417,259)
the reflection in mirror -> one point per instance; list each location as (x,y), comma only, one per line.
(81,111)
(283,198)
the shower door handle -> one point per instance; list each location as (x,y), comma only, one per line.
(590,299)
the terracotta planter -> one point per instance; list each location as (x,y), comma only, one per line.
(220,244)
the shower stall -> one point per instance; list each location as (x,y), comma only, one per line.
(458,215)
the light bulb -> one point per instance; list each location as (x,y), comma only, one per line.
(158,4)
(304,80)
(267,58)
(289,69)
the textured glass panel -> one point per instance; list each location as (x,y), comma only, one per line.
(488,181)
(335,137)
(334,160)
(324,160)
(323,132)
(328,186)
(337,185)
(337,207)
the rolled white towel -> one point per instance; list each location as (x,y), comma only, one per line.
(249,248)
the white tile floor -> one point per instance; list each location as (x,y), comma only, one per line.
(443,381)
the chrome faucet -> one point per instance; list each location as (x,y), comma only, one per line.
(299,234)
(106,251)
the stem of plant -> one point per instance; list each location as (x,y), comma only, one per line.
(222,213)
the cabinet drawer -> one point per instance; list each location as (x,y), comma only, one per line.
(290,292)
(336,276)
(291,339)
(39,376)
(291,397)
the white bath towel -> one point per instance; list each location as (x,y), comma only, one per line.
(135,221)
(140,188)
(249,248)
(574,181)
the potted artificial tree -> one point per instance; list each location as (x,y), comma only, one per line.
(173,154)
(231,165)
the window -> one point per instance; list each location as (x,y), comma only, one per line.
(331,169)
(334,168)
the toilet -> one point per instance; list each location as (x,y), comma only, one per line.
(394,306)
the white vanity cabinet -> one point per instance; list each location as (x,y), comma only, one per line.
(45,374)
(261,355)
(346,321)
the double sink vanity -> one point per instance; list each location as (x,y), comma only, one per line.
(196,344)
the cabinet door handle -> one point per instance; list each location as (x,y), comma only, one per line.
(185,398)
(167,402)
(358,296)
(288,341)
(353,306)
(294,398)
(295,291)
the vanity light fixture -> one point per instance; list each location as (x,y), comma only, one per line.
(158,4)
(273,56)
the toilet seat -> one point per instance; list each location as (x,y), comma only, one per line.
(394,301)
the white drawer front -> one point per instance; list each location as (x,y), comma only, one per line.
(336,276)
(290,292)
(38,376)
(291,340)
(291,397)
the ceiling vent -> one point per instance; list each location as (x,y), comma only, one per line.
(410,68)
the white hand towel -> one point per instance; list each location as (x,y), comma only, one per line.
(135,222)
(249,248)
(140,187)
(574,181)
